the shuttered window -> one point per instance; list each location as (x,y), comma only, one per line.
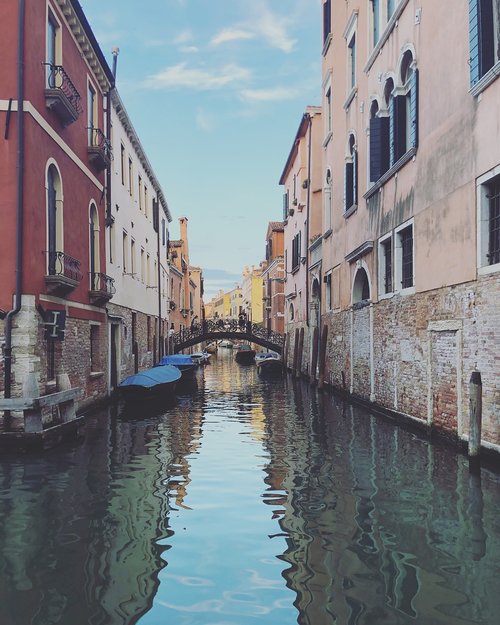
(379,147)
(327,19)
(348,186)
(483,37)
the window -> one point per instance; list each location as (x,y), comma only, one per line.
(125,252)
(94,347)
(291,313)
(376,19)
(352,62)
(489,222)
(404,257)
(146,210)
(92,115)
(130,179)
(53,49)
(122,162)
(132,257)
(296,251)
(328,291)
(327,108)
(385,266)
(391,5)
(327,199)
(143,266)
(379,143)
(327,20)
(140,192)
(403,111)
(54,220)
(94,247)
(285,206)
(484,37)
(111,231)
(163,232)
(361,287)
(148,270)
(351,175)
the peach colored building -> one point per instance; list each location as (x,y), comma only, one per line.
(182,287)
(411,290)
(301,180)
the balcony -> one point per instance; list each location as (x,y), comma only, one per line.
(99,148)
(102,287)
(61,95)
(63,272)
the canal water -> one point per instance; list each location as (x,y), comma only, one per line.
(248,501)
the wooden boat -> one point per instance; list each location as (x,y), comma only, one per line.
(245,355)
(269,363)
(211,348)
(151,383)
(185,363)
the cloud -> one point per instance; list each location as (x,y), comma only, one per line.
(184,36)
(182,76)
(268,95)
(189,49)
(274,30)
(231,34)
(205,120)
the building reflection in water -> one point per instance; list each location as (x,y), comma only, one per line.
(381,526)
(84,528)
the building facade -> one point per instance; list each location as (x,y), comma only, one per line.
(136,249)
(273,278)
(411,293)
(252,294)
(53,158)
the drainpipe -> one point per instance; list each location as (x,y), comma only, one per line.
(19,205)
(308,201)
(159,266)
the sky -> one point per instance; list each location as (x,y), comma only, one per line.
(216,90)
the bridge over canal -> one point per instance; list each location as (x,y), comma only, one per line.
(219,329)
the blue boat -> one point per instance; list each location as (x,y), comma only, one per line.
(183,362)
(150,383)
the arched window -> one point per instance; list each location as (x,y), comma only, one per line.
(94,247)
(54,222)
(328,201)
(291,313)
(403,110)
(351,175)
(361,287)
(379,142)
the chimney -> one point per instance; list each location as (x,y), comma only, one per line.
(183,222)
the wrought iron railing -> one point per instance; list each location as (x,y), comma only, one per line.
(61,264)
(97,139)
(222,327)
(57,78)
(101,283)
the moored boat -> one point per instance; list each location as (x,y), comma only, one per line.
(269,363)
(245,355)
(183,362)
(154,382)
(211,348)
(201,358)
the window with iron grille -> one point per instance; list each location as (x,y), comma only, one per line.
(493,196)
(406,241)
(94,348)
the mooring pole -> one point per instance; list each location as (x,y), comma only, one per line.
(322,356)
(475,415)
(314,356)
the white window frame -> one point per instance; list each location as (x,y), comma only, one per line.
(327,201)
(328,291)
(328,121)
(398,260)
(482,211)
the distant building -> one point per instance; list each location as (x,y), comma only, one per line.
(251,291)
(182,288)
(273,277)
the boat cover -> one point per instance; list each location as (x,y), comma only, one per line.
(152,377)
(176,359)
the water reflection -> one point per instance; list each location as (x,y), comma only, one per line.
(248,501)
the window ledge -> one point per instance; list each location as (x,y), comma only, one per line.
(390,173)
(95,375)
(487,269)
(295,270)
(408,291)
(350,98)
(327,44)
(385,35)
(327,139)
(486,80)
(350,211)
(383,296)
(328,233)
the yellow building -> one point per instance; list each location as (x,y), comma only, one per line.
(252,294)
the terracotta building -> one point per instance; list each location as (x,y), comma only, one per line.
(52,165)
(182,287)
(411,288)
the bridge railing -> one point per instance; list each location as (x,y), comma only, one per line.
(213,328)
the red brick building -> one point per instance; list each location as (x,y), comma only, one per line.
(53,162)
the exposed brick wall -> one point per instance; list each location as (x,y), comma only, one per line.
(421,343)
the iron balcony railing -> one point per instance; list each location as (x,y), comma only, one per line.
(102,284)
(61,264)
(99,147)
(57,78)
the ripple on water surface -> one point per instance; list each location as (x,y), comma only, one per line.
(247,501)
